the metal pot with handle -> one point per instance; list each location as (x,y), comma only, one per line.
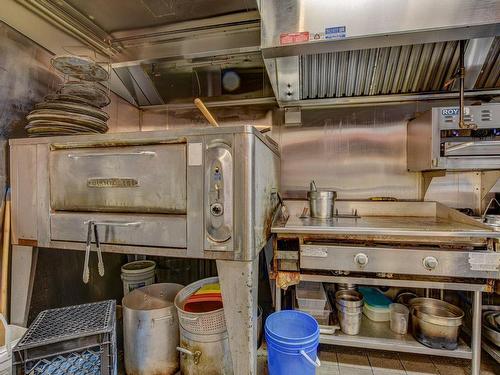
(321,202)
(151,330)
(205,354)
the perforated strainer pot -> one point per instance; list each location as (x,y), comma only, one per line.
(206,323)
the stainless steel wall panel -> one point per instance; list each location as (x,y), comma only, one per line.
(456,189)
(359,154)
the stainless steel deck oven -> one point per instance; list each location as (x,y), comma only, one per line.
(196,193)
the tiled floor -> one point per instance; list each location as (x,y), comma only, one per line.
(350,361)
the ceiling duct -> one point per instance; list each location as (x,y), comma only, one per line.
(321,49)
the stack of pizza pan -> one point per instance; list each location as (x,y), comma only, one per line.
(77,106)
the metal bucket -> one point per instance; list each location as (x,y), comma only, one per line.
(151,330)
(349,319)
(321,203)
(349,304)
(205,354)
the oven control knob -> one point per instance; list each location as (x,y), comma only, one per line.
(216,209)
(361,259)
(430,263)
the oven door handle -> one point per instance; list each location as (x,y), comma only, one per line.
(102,154)
(118,223)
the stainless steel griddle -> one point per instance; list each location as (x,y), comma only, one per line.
(401,244)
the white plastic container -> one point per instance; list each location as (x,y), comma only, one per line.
(377,314)
(322,316)
(13,334)
(137,274)
(310,296)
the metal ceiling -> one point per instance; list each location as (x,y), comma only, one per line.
(119,15)
(379,71)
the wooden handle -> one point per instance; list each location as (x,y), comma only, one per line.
(204,110)
(5,257)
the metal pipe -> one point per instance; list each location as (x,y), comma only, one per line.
(461,123)
(476,333)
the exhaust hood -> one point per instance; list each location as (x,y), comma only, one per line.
(156,48)
(301,52)
(334,51)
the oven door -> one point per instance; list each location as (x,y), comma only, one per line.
(472,148)
(138,179)
(136,194)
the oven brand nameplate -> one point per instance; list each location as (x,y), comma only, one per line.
(484,261)
(316,252)
(113,182)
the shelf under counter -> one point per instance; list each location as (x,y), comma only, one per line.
(378,335)
(471,285)
(491,349)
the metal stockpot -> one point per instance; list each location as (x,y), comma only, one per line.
(151,330)
(436,323)
(205,354)
(321,202)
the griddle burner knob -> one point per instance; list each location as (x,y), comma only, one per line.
(430,263)
(361,259)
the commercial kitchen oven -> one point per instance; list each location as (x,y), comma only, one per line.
(198,193)
(436,141)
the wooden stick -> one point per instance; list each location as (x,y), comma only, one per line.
(204,110)
(5,257)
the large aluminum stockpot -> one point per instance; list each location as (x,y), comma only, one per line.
(151,330)
(436,323)
(203,354)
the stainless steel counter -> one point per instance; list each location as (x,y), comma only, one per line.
(386,218)
(391,226)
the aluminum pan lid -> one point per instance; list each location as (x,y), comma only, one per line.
(80,67)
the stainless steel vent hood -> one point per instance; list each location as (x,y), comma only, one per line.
(157,49)
(321,50)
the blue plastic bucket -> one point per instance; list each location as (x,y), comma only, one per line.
(292,342)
